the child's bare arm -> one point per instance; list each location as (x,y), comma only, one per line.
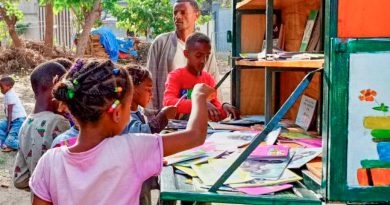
(9,117)
(196,131)
(39,201)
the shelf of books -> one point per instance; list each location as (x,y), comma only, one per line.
(328,140)
(248,162)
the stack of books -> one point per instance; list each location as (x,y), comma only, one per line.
(270,153)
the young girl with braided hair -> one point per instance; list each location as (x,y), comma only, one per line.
(143,84)
(104,167)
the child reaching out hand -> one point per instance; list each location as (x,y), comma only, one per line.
(102,161)
(143,84)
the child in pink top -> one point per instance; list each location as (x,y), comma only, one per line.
(104,167)
(181,81)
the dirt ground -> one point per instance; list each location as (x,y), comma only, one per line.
(9,195)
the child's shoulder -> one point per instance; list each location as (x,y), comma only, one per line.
(45,117)
(179,71)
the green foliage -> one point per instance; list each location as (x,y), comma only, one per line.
(78,7)
(21,28)
(3,30)
(141,16)
(12,9)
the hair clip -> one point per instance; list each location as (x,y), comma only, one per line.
(114,106)
(70,88)
(78,65)
(75,82)
(118,89)
(116,71)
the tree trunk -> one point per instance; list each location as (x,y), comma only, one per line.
(88,24)
(49,30)
(11,22)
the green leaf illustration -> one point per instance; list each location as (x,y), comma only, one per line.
(382,108)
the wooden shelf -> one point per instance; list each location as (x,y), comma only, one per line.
(255,4)
(302,64)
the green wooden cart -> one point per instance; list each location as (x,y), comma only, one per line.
(356,62)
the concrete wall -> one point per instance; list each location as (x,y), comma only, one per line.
(217,28)
(30,10)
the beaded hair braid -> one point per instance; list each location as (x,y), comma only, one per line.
(92,87)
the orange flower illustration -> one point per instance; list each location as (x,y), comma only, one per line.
(367,95)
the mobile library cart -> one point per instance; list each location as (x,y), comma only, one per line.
(353,87)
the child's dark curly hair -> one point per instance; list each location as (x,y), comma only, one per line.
(90,87)
(138,73)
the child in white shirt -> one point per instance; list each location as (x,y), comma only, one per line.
(15,113)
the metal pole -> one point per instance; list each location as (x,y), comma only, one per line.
(268,74)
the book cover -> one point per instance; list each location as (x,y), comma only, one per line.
(303,156)
(265,189)
(287,177)
(308,30)
(266,169)
(210,172)
(270,152)
(193,153)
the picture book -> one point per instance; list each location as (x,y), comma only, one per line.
(203,159)
(219,126)
(303,156)
(210,172)
(246,120)
(270,152)
(193,153)
(266,169)
(287,177)
(231,140)
(272,136)
(264,189)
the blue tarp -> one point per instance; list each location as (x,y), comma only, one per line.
(113,45)
(126,46)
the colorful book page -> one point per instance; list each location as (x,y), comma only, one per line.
(265,189)
(219,126)
(266,169)
(272,136)
(287,177)
(187,171)
(302,156)
(193,153)
(209,173)
(231,140)
(270,152)
(203,159)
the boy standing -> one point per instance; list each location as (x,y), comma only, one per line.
(41,127)
(181,81)
(15,113)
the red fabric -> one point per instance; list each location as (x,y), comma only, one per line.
(123,55)
(181,78)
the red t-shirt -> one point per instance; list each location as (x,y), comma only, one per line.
(181,81)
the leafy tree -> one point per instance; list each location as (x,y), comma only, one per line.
(10,14)
(146,16)
(86,13)
(142,16)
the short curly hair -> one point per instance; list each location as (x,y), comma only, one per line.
(193,3)
(7,80)
(138,73)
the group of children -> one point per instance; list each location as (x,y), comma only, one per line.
(106,159)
